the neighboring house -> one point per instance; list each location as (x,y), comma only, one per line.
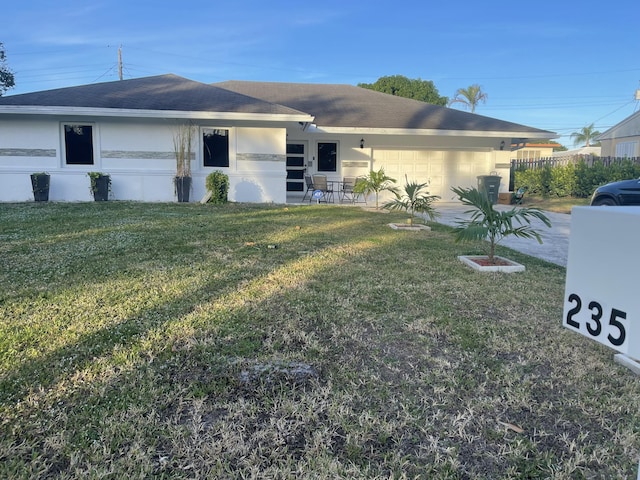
(265,136)
(531,151)
(623,139)
(578,153)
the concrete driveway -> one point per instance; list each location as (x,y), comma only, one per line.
(555,246)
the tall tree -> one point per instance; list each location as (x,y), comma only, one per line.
(6,75)
(470,97)
(584,136)
(557,147)
(401,86)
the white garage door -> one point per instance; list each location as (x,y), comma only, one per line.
(443,169)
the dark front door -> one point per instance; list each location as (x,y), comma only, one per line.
(296,166)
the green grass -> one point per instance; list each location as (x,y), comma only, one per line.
(170,341)
(554,204)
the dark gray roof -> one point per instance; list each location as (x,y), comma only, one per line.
(349,106)
(163,92)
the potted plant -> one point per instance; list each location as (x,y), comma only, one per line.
(100,185)
(182,145)
(217,184)
(413,199)
(487,223)
(375,182)
(40,182)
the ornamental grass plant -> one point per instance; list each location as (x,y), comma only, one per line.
(169,341)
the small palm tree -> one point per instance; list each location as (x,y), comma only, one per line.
(470,97)
(486,223)
(375,182)
(414,200)
(584,136)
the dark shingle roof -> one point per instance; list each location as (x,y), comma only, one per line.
(337,106)
(163,92)
(349,106)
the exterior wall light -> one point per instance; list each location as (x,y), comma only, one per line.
(362,143)
(502,145)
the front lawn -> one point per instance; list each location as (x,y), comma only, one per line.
(202,341)
(555,204)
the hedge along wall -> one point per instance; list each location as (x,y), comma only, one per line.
(577,180)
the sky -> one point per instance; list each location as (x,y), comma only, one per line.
(557,66)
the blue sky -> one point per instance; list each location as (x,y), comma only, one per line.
(556,65)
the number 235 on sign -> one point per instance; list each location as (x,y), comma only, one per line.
(604,323)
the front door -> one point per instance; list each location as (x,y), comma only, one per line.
(296,161)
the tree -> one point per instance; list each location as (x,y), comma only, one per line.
(584,136)
(413,199)
(487,223)
(470,97)
(375,182)
(401,86)
(557,147)
(7,80)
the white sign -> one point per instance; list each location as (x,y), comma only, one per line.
(602,291)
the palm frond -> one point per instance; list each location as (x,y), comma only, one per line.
(487,223)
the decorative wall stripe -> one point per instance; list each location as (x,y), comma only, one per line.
(355,163)
(260,157)
(27,152)
(146,155)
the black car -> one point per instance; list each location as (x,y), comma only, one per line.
(624,192)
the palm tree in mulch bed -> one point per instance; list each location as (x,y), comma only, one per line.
(487,223)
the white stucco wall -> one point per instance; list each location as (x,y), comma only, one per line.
(139,157)
(457,159)
(138,154)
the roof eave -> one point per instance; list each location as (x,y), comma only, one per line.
(135,113)
(436,132)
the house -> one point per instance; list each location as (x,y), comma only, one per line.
(623,139)
(578,154)
(531,151)
(264,136)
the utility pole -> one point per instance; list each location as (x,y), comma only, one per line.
(120,62)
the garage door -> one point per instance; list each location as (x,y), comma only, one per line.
(442,168)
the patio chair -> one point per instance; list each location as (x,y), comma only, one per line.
(359,197)
(346,192)
(309,183)
(320,183)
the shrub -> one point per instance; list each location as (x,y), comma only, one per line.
(529,179)
(218,184)
(563,179)
(578,180)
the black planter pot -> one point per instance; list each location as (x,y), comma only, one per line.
(101,188)
(183,187)
(40,184)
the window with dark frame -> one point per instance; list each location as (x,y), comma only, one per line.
(78,144)
(215,146)
(327,156)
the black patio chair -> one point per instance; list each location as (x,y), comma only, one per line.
(346,192)
(309,183)
(320,183)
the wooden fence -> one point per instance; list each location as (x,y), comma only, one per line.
(555,161)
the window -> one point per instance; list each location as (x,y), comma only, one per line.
(327,156)
(215,145)
(528,155)
(78,144)
(626,149)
